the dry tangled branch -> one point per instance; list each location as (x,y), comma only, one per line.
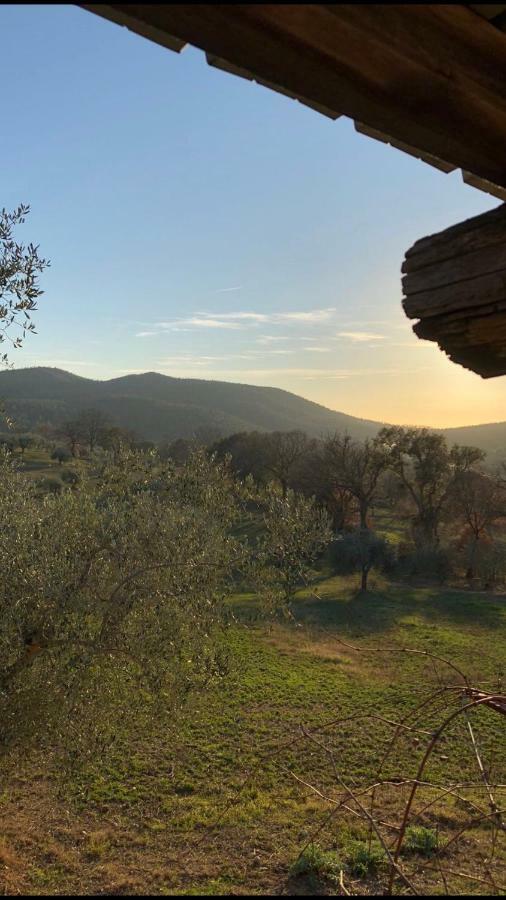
(403,869)
(395,805)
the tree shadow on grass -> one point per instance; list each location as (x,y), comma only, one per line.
(363,614)
(338,607)
(359,615)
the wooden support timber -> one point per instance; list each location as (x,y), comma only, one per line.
(427,78)
(455,284)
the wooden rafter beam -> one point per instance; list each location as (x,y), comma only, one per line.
(428,76)
(455,284)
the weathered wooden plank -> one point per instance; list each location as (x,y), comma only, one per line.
(473,293)
(399,145)
(486,186)
(318,107)
(431,76)
(470,342)
(442,237)
(488,10)
(454,322)
(489,235)
(456,286)
(485,362)
(130,18)
(455,270)
(224,66)
(465,327)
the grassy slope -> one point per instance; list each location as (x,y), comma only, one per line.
(179,813)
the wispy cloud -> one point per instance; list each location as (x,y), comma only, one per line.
(314,315)
(267,339)
(240,319)
(227,290)
(311,315)
(202,361)
(317,349)
(144,334)
(360,336)
(196,322)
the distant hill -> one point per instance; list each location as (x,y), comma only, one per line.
(490,437)
(159,407)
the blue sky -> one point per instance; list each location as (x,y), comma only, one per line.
(202,226)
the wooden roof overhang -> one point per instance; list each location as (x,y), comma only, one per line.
(428,79)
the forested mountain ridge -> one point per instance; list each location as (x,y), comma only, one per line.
(160,407)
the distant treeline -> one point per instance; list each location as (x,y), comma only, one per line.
(404,497)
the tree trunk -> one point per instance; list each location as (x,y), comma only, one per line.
(425,533)
(472,559)
(364,508)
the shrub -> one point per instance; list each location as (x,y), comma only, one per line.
(362,860)
(50,485)
(70,477)
(347,551)
(434,564)
(315,861)
(420,840)
(491,565)
(61,454)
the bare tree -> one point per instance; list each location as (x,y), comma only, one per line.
(247,452)
(355,468)
(429,471)
(478,500)
(311,477)
(117,439)
(72,431)
(284,449)
(92,423)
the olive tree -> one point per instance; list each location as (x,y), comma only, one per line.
(362,550)
(108,585)
(112,594)
(296,531)
(20,267)
(24,441)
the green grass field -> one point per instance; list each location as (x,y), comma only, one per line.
(214,804)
